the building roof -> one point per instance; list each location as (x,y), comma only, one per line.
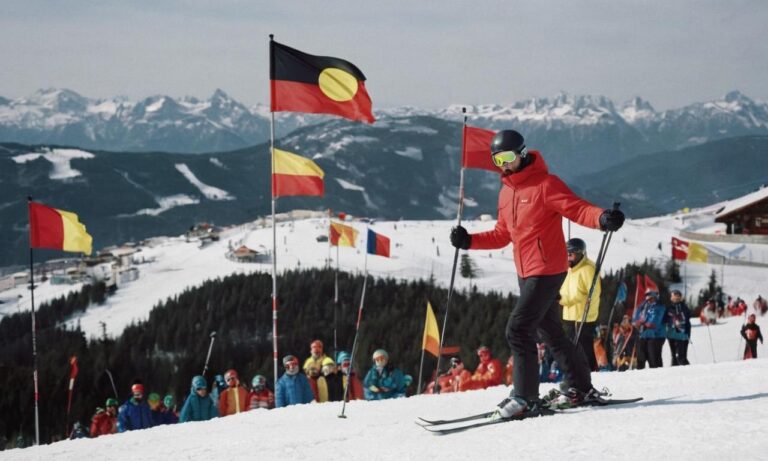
(740,203)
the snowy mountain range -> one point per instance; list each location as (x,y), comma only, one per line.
(564,125)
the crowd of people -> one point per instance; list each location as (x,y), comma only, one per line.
(323,380)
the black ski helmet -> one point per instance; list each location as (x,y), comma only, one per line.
(575,245)
(506,140)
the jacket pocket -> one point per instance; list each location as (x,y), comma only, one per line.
(541,249)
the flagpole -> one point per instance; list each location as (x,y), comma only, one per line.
(274,227)
(357,331)
(436,388)
(34,336)
(421,365)
(335,299)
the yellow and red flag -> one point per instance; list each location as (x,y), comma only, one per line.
(477,149)
(342,235)
(295,175)
(57,230)
(301,82)
(689,251)
(431,340)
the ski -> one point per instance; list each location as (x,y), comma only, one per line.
(436,426)
(439,422)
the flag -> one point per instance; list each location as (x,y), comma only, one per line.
(72,375)
(477,149)
(343,236)
(431,340)
(689,251)
(301,82)
(295,175)
(639,294)
(650,285)
(621,294)
(378,244)
(57,230)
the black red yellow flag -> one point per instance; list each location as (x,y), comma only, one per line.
(301,82)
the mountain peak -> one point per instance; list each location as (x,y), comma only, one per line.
(736,96)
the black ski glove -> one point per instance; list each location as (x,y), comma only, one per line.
(611,220)
(460,238)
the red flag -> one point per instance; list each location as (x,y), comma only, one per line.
(378,244)
(650,285)
(72,375)
(639,293)
(679,249)
(477,149)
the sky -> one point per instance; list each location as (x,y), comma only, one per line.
(427,54)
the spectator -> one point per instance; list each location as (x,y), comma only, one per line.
(708,313)
(219,386)
(650,319)
(356,390)
(509,370)
(199,405)
(235,398)
(573,298)
(329,384)
(172,414)
(751,333)
(293,387)
(383,380)
(315,360)
(488,371)
(624,341)
(598,346)
(134,414)
(78,431)
(260,396)
(678,328)
(760,305)
(105,421)
(460,377)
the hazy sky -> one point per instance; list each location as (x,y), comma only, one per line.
(427,54)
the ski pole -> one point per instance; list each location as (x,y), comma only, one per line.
(210,348)
(112,381)
(711,346)
(598,265)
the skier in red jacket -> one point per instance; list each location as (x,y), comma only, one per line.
(531,205)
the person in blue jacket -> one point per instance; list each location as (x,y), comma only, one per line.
(383,381)
(650,319)
(678,328)
(293,387)
(134,413)
(199,405)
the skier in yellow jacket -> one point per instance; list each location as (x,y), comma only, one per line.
(573,298)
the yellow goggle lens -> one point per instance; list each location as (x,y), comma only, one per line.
(500,158)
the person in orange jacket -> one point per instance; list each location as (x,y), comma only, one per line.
(235,398)
(460,376)
(105,421)
(488,371)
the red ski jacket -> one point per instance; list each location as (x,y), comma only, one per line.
(532,203)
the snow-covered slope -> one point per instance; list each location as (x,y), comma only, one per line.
(420,249)
(699,412)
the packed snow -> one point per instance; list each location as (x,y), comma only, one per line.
(60,161)
(699,412)
(210,192)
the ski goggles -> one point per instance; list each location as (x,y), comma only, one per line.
(505,156)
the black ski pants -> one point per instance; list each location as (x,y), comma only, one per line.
(537,311)
(586,340)
(679,350)
(751,348)
(649,349)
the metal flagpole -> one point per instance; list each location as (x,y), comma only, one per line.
(335,301)
(357,331)
(274,227)
(34,335)
(436,388)
(421,365)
